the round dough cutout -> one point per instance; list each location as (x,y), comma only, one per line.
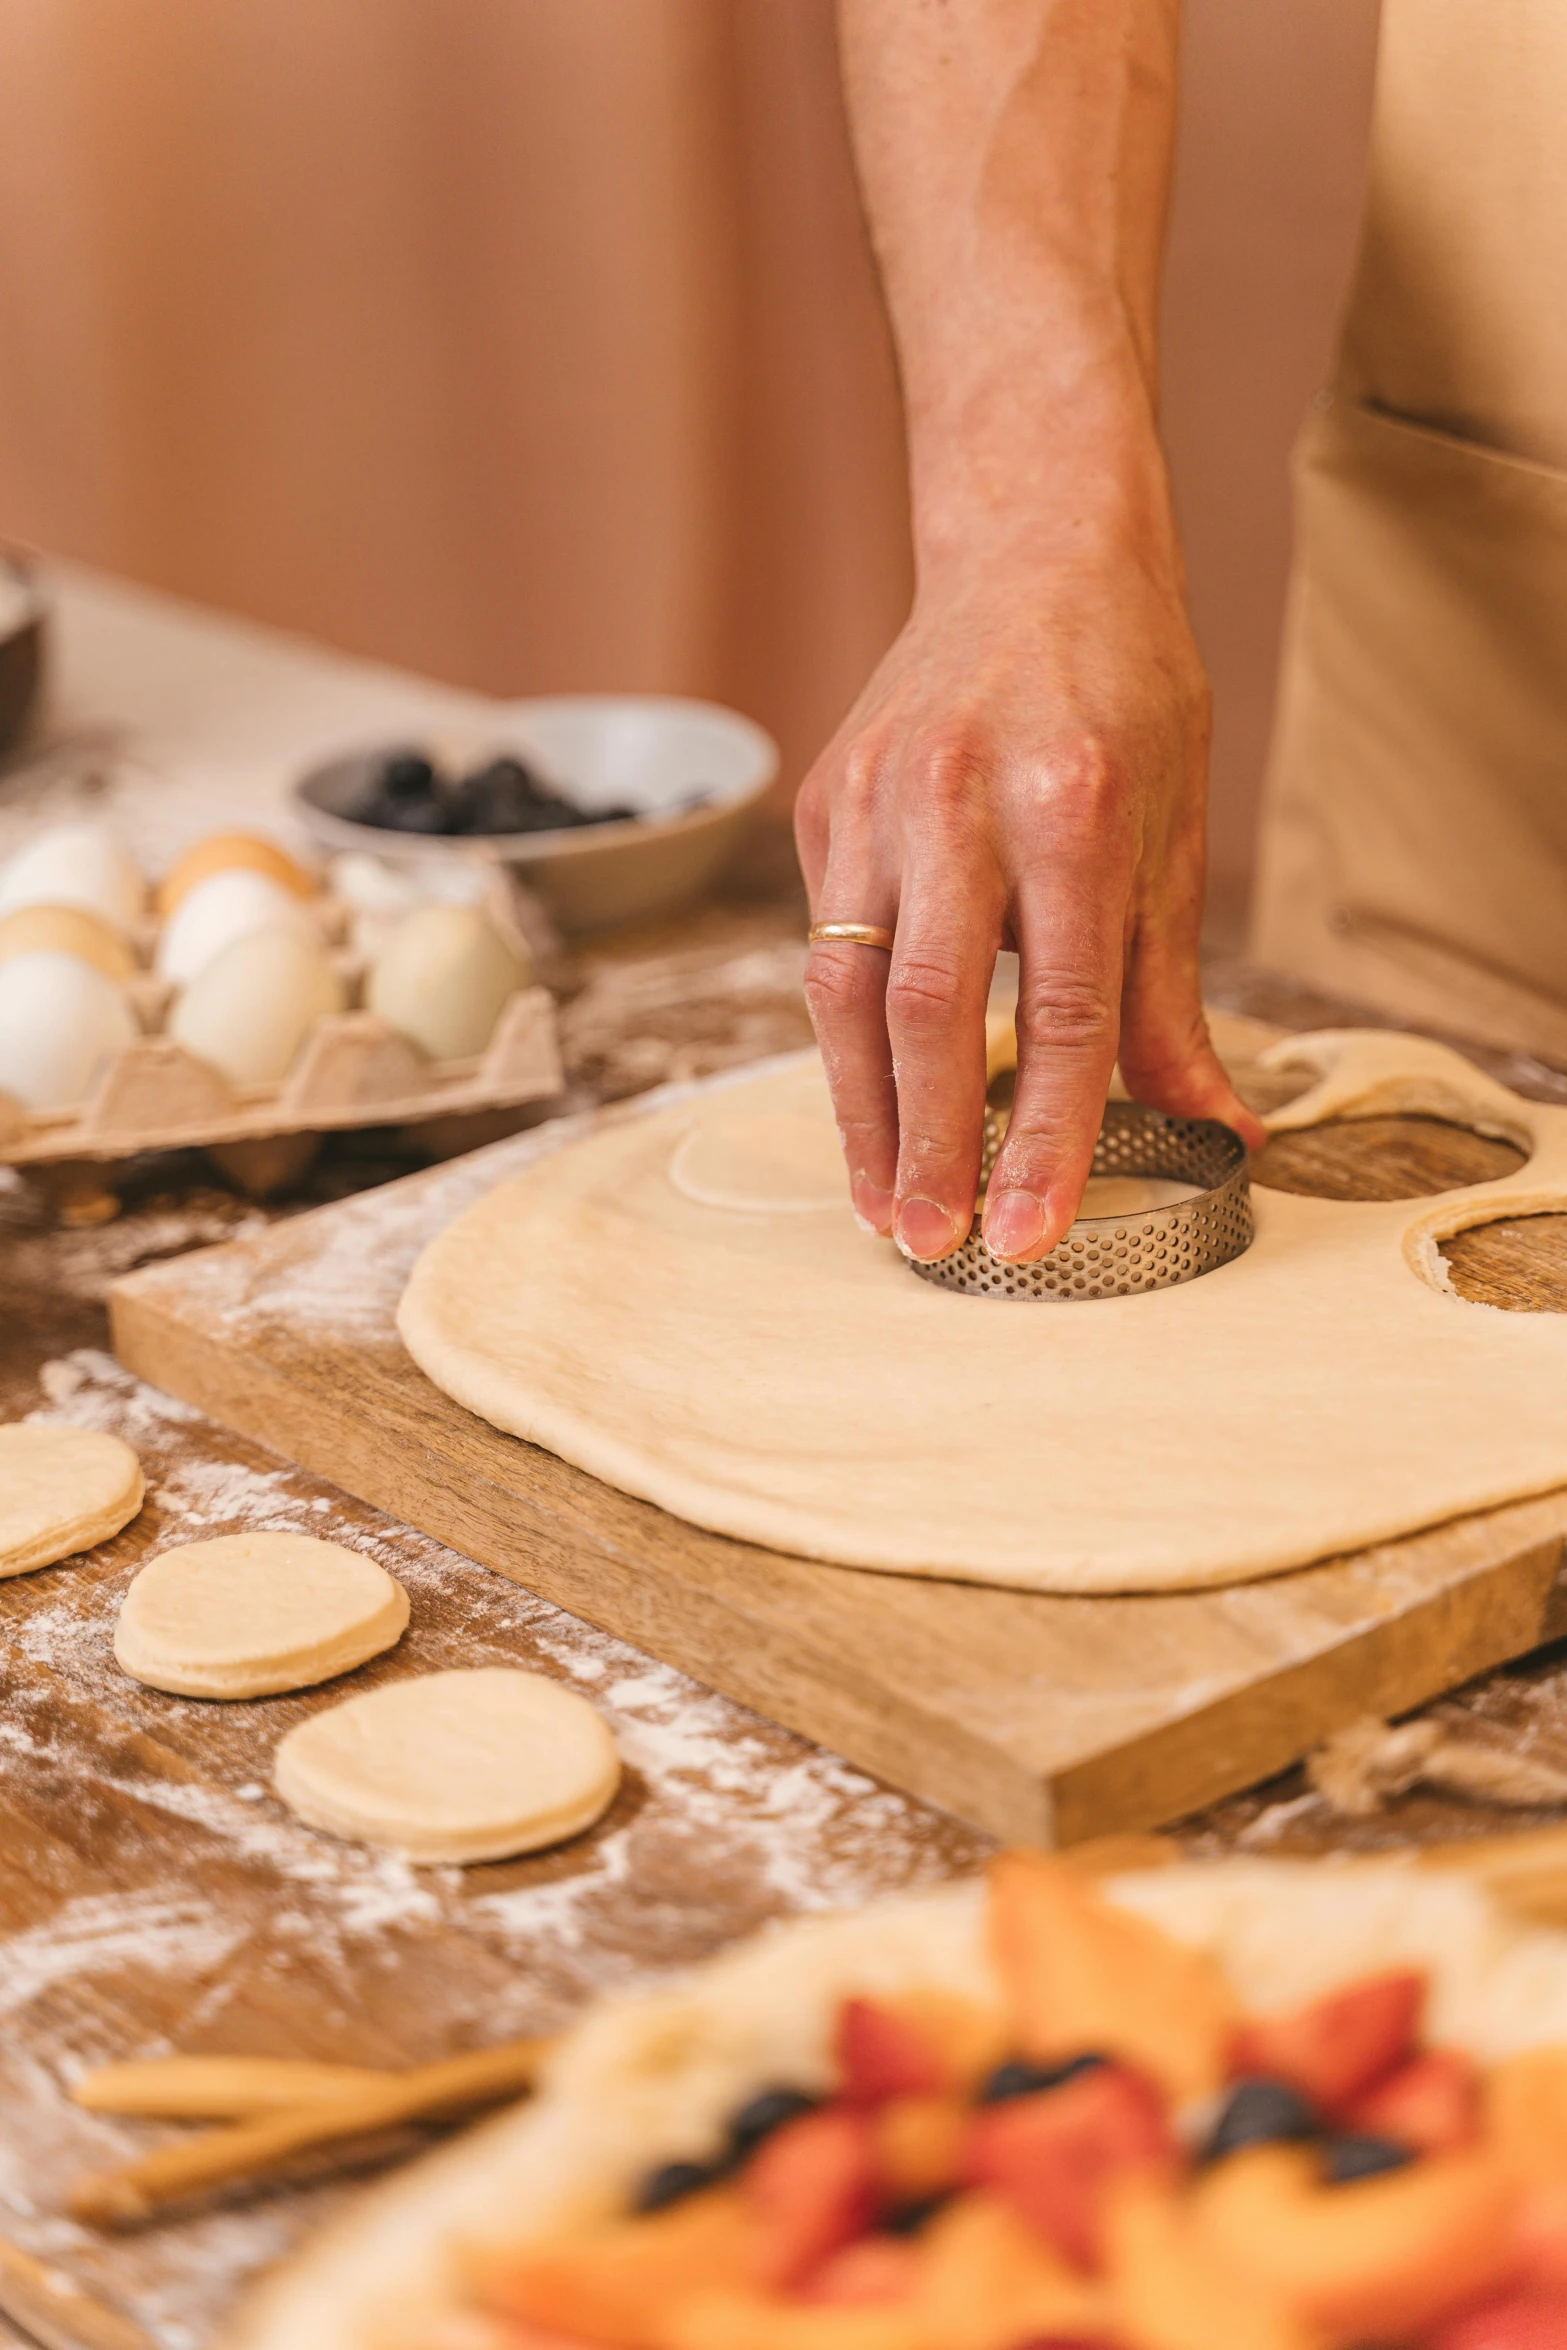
(767,1163)
(248,1615)
(61,1490)
(460,1766)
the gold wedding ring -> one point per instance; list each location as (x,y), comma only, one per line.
(849,934)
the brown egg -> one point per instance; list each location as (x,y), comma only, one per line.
(66,930)
(223,852)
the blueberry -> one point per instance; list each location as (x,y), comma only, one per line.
(672,2182)
(1260,2113)
(405,775)
(761,2115)
(1017,2079)
(506,796)
(907,2219)
(1345,2159)
(611,816)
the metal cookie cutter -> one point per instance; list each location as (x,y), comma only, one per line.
(1118,1256)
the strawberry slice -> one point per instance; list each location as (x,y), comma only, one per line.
(1336,2049)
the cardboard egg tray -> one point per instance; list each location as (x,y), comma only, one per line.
(351,1070)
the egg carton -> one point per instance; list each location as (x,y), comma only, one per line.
(352,1070)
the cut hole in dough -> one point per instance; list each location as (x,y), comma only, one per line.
(1383,1159)
(250,1614)
(1518,1263)
(462,1766)
(61,1490)
(772,1163)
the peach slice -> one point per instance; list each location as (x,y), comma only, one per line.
(609,2284)
(987,2283)
(1173,2289)
(1379,2259)
(1082,1976)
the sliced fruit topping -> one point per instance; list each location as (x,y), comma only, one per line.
(758,2321)
(812,2189)
(914,2043)
(881,2052)
(1053,2156)
(1260,2113)
(610,2284)
(1338,2048)
(1173,2289)
(1378,2260)
(1082,1974)
(919,2144)
(1431,2103)
(877,2269)
(988,2283)
(1525,2320)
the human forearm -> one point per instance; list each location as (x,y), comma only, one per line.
(1015,157)
(1028,764)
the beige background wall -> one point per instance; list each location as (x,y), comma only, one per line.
(534,342)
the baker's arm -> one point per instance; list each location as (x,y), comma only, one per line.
(1029,763)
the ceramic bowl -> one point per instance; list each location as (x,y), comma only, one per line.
(694,772)
(22,610)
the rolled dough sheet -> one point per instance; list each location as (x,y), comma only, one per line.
(462,1766)
(781,1376)
(61,1490)
(248,1615)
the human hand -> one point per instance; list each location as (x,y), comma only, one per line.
(1028,768)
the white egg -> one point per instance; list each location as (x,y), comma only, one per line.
(441,979)
(61,1023)
(370,885)
(248,1009)
(76,865)
(221,909)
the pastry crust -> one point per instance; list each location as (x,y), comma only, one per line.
(651,2078)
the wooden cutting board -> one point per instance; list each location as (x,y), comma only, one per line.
(1039,1718)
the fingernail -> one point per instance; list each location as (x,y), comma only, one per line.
(872,1205)
(1014,1222)
(925,1230)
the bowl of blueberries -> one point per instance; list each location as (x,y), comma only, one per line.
(611,807)
(22,606)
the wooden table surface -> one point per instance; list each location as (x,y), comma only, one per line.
(152,1894)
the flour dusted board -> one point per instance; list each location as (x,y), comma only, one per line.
(1034,1716)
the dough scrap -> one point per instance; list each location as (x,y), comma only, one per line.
(61,1490)
(460,1766)
(250,1614)
(787,1380)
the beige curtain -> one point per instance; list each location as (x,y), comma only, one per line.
(532,343)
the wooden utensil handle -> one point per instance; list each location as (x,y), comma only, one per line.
(132,2191)
(218,2088)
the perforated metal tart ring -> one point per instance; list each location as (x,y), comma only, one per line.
(1121,1256)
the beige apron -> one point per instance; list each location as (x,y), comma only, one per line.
(1414,847)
